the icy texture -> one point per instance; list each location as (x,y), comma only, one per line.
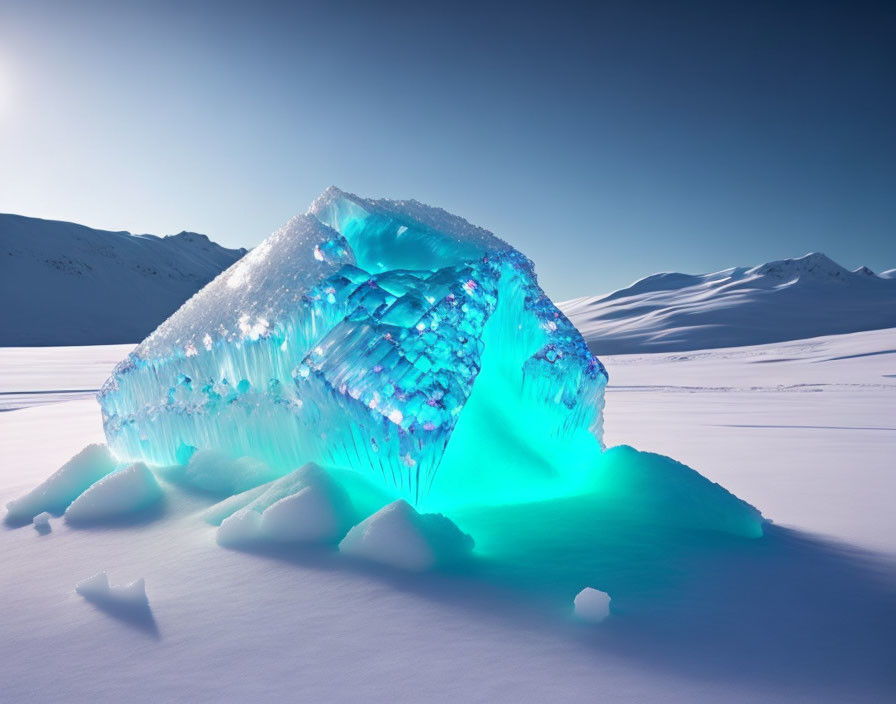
(55,494)
(359,335)
(592,605)
(119,494)
(398,536)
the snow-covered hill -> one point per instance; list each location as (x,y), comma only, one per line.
(67,284)
(782,300)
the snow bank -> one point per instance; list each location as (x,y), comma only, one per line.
(592,605)
(216,473)
(397,535)
(118,494)
(55,494)
(98,589)
(307,505)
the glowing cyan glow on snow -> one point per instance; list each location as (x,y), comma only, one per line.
(386,337)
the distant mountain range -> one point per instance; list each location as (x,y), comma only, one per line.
(66,284)
(789,299)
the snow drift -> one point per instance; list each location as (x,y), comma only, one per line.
(306,506)
(59,490)
(398,536)
(122,493)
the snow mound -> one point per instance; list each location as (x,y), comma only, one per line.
(217,473)
(307,505)
(592,605)
(98,589)
(242,528)
(216,513)
(398,536)
(118,494)
(65,485)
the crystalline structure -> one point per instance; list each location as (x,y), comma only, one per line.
(386,337)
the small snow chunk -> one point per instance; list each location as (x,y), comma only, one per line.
(55,494)
(123,492)
(397,535)
(42,522)
(242,528)
(98,589)
(592,605)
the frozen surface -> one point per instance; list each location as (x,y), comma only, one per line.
(801,429)
(592,605)
(398,536)
(33,376)
(789,299)
(120,494)
(65,485)
(375,336)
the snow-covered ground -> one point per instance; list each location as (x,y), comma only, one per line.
(805,431)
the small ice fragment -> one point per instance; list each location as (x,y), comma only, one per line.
(42,522)
(98,589)
(592,605)
(126,491)
(398,536)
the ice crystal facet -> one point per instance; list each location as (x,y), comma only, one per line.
(361,335)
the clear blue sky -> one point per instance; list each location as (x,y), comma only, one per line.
(606,140)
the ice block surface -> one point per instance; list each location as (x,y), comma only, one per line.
(387,337)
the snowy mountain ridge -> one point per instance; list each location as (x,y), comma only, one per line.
(68,284)
(788,299)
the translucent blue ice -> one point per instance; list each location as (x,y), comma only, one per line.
(359,335)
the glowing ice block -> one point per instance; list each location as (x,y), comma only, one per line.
(387,337)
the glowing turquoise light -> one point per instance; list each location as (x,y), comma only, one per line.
(386,337)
